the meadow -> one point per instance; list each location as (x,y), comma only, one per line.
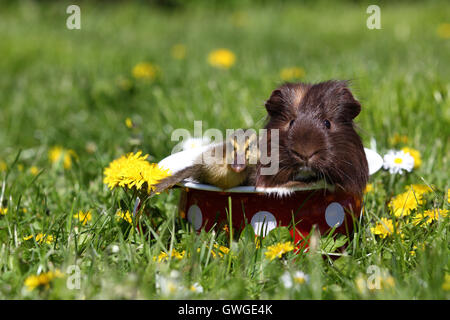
(72,101)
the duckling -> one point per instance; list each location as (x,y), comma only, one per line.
(224,165)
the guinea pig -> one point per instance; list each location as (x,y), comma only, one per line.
(317,137)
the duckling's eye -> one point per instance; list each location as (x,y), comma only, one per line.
(291,123)
(327,124)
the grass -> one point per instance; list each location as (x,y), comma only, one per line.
(75,89)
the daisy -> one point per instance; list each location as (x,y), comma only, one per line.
(221,58)
(397,161)
(193,143)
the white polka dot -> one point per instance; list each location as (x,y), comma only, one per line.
(334,214)
(262,222)
(195,217)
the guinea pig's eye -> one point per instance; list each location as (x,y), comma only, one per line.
(327,123)
(291,123)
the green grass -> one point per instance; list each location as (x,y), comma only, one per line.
(74,88)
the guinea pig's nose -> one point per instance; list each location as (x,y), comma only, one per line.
(303,156)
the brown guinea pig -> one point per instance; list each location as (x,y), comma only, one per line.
(317,137)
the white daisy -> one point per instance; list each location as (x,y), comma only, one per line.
(397,161)
(193,143)
(288,280)
(196,287)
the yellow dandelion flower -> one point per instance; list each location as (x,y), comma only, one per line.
(446,284)
(58,154)
(175,254)
(428,216)
(369,188)
(42,280)
(84,217)
(415,154)
(178,51)
(419,189)
(3,211)
(443,30)
(404,203)
(288,74)
(34,170)
(221,58)
(124,216)
(383,228)
(145,70)
(278,250)
(42,237)
(3,166)
(129,123)
(133,171)
(397,138)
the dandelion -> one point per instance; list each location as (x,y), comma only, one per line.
(42,280)
(397,161)
(178,51)
(221,249)
(164,256)
(404,203)
(383,228)
(288,74)
(124,216)
(58,154)
(3,166)
(133,171)
(419,189)
(446,284)
(369,188)
(34,170)
(278,250)
(129,123)
(221,58)
(397,138)
(40,238)
(428,216)
(3,211)
(443,31)
(145,70)
(415,154)
(84,217)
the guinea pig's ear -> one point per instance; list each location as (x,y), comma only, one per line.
(275,104)
(351,107)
